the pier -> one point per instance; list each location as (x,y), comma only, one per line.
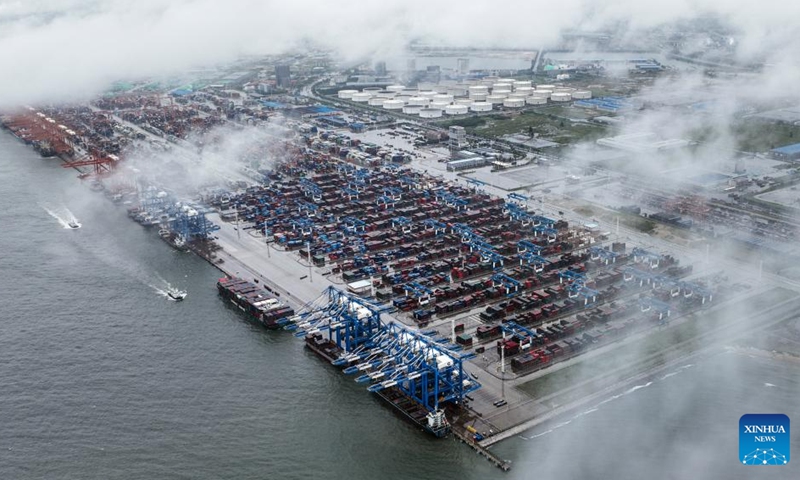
(503,465)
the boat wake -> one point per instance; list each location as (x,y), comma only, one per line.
(167,290)
(63,215)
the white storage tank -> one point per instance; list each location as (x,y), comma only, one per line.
(463,101)
(396,88)
(427,93)
(478,89)
(385,94)
(522,95)
(361,97)
(534,100)
(443,98)
(514,102)
(430,113)
(412,109)
(457,90)
(561,97)
(439,105)
(347,94)
(495,99)
(522,84)
(481,107)
(478,97)
(526,90)
(545,87)
(456,109)
(376,101)
(404,98)
(422,101)
(543,93)
(581,94)
(393,104)
(505,80)
(502,86)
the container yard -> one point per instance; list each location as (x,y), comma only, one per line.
(434,292)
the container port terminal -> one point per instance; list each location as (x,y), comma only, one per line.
(441,279)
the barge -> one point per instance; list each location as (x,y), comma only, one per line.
(255,302)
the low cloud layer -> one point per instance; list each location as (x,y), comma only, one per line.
(60,49)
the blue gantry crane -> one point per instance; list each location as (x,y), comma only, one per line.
(389,356)
(519,199)
(403,222)
(423,367)
(517,213)
(640,255)
(348,320)
(630,273)
(435,225)
(690,289)
(385,202)
(524,335)
(353,225)
(539,263)
(647,304)
(510,284)
(419,292)
(304,225)
(550,234)
(597,253)
(528,246)
(476,184)
(393,192)
(191,224)
(487,253)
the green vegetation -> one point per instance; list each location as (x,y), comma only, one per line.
(752,135)
(468,123)
(585,211)
(638,222)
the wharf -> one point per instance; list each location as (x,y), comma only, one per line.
(503,465)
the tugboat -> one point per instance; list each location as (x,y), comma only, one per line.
(176,294)
(73,224)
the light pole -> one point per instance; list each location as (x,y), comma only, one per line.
(266,239)
(310,269)
(503,368)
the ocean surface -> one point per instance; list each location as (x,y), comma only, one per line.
(102,377)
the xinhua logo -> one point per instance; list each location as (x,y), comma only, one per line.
(764,439)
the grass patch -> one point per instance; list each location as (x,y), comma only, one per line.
(638,222)
(752,135)
(585,211)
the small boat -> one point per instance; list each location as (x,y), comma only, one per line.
(175,294)
(73,224)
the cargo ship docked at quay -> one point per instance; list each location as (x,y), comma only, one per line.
(410,409)
(255,302)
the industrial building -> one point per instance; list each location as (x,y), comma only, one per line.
(458,137)
(467,163)
(283,76)
(643,142)
(788,152)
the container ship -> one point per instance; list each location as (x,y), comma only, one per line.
(434,423)
(255,301)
